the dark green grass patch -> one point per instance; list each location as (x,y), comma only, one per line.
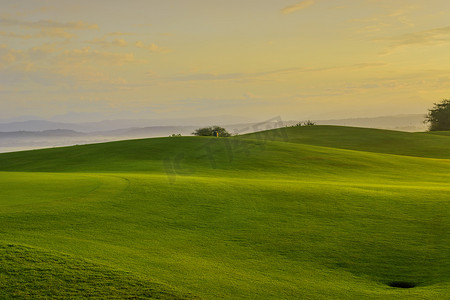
(27,272)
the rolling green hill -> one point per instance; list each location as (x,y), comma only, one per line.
(318,212)
(422,144)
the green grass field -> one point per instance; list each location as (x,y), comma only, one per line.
(319,212)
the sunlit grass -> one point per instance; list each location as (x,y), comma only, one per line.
(263,219)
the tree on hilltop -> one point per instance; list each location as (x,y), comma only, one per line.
(212,131)
(438,117)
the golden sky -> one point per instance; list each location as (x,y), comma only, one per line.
(316,59)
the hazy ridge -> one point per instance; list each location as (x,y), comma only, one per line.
(33,134)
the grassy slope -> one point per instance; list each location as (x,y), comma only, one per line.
(257,219)
(429,144)
(446,133)
(29,272)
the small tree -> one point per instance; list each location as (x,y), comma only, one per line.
(209,131)
(306,123)
(438,117)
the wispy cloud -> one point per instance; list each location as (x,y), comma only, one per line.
(8,56)
(44,33)
(388,21)
(435,36)
(299,6)
(118,33)
(42,24)
(232,76)
(267,75)
(55,33)
(43,51)
(152,47)
(15,35)
(50,62)
(43,28)
(86,55)
(104,43)
(74,70)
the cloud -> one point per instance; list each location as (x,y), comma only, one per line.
(167,34)
(114,43)
(118,33)
(55,32)
(267,75)
(119,42)
(51,67)
(45,24)
(209,76)
(386,22)
(42,51)
(15,35)
(240,76)
(54,56)
(44,28)
(8,56)
(250,95)
(367,65)
(435,36)
(152,47)
(299,6)
(87,56)
(44,33)
(151,74)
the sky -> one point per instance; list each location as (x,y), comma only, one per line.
(310,59)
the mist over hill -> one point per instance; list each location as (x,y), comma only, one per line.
(23,124)
(33,134)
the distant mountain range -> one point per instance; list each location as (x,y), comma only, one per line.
(45,133)
(33,134)
(19,124)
